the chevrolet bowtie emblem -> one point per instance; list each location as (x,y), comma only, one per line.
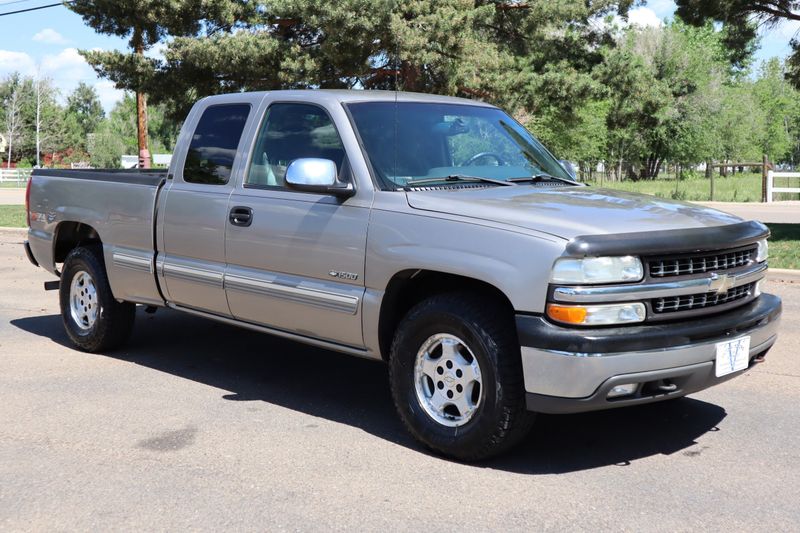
(721,283)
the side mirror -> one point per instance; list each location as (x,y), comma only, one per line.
(568,166)
(316,175)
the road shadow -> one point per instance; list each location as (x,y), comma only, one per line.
(254,367)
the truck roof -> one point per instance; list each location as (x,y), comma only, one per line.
(352,95)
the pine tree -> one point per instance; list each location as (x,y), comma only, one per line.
(528,56)
(145,23)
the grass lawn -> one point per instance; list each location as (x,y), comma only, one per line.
(12,216)
(784,246)
(741,188)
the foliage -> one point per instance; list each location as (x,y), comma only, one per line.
(530,55)
(116,136)
(11,95)
(27,102)
(741,20)
(84,105)
(779,102)
(664,86)
(628,97)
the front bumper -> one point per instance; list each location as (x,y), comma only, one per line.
(571,370)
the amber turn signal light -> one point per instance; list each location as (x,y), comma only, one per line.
(567,314)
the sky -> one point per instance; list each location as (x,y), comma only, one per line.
(47,42)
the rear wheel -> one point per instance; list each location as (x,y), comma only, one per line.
(456,376)
(93,319)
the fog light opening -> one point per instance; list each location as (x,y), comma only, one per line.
(622,390)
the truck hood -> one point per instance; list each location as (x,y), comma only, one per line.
(570,212)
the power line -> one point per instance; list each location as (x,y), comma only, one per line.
(32,9)
(15,2)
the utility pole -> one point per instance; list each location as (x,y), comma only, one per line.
(141,110)
(38,117)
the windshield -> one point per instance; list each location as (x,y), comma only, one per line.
(411,141)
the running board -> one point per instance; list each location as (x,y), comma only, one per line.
(52,285)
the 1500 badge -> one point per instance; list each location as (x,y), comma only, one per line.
(343,275)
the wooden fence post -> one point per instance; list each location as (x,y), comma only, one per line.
(764,170)
(710,176)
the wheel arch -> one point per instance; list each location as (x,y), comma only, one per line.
(409,287)
(68,235)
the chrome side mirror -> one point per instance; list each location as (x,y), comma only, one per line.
(316,175)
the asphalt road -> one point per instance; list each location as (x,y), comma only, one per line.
(202,426)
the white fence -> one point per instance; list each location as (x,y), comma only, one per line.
(14,176)
(771,189)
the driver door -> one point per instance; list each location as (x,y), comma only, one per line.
(298,264)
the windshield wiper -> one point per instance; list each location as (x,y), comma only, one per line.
(455,177)
(541,177)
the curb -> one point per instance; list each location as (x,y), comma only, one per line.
(783,275)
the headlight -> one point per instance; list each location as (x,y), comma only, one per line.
(763,250)
(597,315)
(597,270)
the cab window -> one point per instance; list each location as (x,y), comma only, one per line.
(213,146)
(292,131)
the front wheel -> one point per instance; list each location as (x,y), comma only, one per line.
(93,319)
(456,376)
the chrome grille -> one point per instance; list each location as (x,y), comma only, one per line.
(672,304)
(685,265)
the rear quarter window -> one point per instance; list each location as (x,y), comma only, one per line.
(213,146)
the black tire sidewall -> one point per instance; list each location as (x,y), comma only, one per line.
(418,327)
(87,259)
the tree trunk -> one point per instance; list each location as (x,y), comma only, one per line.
(141,110)
(409,76)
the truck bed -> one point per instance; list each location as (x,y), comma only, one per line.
(150,177)
(119,205)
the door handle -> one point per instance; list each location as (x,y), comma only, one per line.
(241,216)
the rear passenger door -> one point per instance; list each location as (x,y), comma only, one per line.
(195,211)
(298,262)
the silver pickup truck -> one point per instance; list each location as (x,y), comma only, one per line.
(433,233)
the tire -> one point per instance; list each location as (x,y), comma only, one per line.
(460,328)
(96,322)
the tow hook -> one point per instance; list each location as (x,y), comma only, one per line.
(666,386)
